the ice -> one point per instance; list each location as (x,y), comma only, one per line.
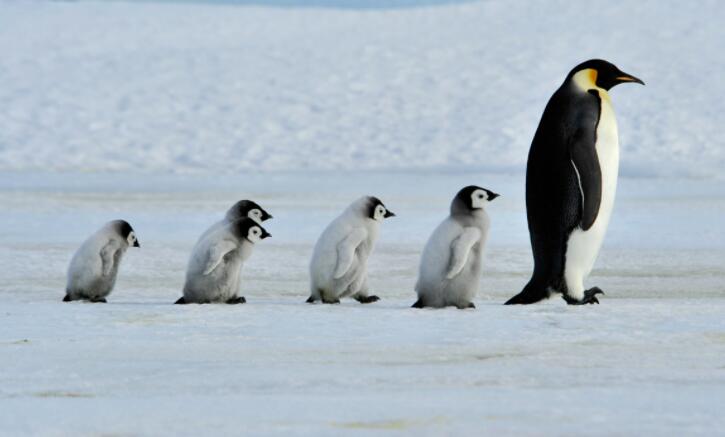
(110,86)
(648,360)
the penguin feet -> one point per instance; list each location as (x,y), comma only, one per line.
(418,304)
(67,298)
(367,299)
(470,306)
(590,297)
(310,300)
(181,301)
(331,302)
(98,300)
(237,300)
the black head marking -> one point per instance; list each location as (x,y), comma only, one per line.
(240,228)
(607,74)
(124,229)
(373,203)
(242,208)
(465,196)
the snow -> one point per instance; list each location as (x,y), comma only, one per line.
(648,360)
(222,88)
(166,114)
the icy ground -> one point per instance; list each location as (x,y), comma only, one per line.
(649,360)
(196,87)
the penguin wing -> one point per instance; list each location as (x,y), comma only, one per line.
(585,161)
(346,251)
(107,256)
(460,249)
(216,254)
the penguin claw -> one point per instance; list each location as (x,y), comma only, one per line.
(590,297)
(367,299)
(237,300)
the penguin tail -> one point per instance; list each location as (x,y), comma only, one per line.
(532,293)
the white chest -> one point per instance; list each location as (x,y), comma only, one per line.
(608,153)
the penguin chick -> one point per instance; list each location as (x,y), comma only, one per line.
(94,267)
(339,263)
(241,209)
(450,268)
(212,275)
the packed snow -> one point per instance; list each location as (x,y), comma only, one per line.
(166,114)
(194,87)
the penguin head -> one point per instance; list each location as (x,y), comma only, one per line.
(376,210)
(127,233)
(249,229)
(472,198)
(248,208)
(600,74)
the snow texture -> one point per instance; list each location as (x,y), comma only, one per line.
(648,361)
(223,88)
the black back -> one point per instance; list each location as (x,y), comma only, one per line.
(554,206)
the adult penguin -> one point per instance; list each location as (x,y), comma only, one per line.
(571,180)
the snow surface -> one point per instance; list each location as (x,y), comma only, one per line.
(196,87)
(164,114)
(650,360)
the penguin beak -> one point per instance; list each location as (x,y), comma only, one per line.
(389,214)
(492,196)
(136,244)
(624,78)
(265,234)
(266,216)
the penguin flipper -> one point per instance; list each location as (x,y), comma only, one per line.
(460,249)
(108,255)
(346,251)
(217,253)
(585,161)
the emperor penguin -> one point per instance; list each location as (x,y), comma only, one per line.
(450,268)
(571,182)
(212,275)
(339,262)
(94,267)
(241,209)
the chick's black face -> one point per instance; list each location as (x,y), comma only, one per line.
(249,229)
(127,233)
(377,210)
(607,74)
(474,197)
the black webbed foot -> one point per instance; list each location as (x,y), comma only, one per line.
(310,300)
(237,300)
(418,304)
(590,297)
(67,298)
(470,306)
(98,300)
(367,299)
(332,302)
(181,301)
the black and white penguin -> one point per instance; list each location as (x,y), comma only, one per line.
(339,263)
(212,275)
(94,267)
(450,268)
(571,181)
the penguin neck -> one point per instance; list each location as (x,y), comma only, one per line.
(460,209)
(586,80)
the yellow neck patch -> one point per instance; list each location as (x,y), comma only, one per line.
(587,80)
